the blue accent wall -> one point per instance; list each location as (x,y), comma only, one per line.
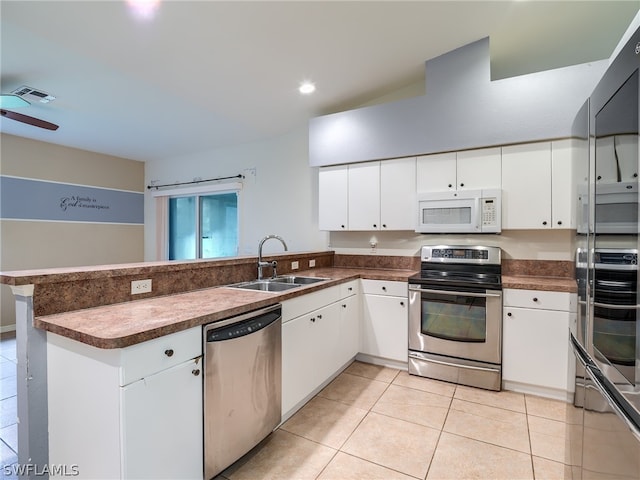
(28,199)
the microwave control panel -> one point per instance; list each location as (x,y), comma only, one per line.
(489,212)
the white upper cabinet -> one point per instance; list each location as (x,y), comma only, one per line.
(332,198)
(368,196)
(398,194)
(538,189)
(466,170)
(364,196)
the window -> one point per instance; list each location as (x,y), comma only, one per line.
(203,226)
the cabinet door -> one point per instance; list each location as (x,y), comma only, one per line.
(397,194)
(349,332)
(526,186)
(436,173)
(364,196)
(478,169)
(162,424)
(535,347)
(333,198)
(563,186)
(309,353)
(385,327)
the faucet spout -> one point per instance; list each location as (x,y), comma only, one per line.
(268,264)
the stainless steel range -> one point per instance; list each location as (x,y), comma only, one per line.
(455,316)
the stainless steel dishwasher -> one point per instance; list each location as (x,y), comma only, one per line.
(242,385)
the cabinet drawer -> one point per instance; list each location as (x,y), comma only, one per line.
(306,303)
(349,288)
(144,359)
(540,299)
(383,287)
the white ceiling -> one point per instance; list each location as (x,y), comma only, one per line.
(207,74)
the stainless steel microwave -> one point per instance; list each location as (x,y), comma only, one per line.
(465,211)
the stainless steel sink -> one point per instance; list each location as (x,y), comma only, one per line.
(297,279)
(266,286)
(278,284)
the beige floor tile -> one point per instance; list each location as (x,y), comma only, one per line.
(414,406)
(375,372)
(549,408)
(544,469)
(497,426)
(325,421)
(354,390)
(550,447)
(425,384)
(393,443)
(348,467)
(282,456)
(463,458)
(547,426)
(504,399)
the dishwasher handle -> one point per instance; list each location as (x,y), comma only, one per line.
(242,325)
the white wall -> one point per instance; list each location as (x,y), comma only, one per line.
(282,200)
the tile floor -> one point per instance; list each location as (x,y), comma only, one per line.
(8,403)
(373,422)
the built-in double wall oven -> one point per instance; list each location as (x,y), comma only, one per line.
(455,316)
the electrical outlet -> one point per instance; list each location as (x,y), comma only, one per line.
(140,286)
(312,263)
(295,265)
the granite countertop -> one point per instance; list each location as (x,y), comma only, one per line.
(124,324)
(534,282)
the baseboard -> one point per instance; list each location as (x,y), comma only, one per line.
(7,328)
(384,362)
(553,393)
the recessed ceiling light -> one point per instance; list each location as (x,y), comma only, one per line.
(306,88)
(143,9)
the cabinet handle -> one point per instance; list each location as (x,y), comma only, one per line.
(462,184)
(599,177)
(509,314)
(535,299)
(384,225)
(559,222)
(169,352)
(450,185)
(313,319)
(195,371)
(544,223)
(635,175)
(344,305)
(350,289)
(341,226)
(319,317)
(375,226)
(402,304)
(384,289)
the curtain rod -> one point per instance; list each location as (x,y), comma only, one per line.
(193,181)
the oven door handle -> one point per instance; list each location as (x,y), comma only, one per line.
(448,292)
(616,307)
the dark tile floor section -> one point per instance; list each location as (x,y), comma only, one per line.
(8,402)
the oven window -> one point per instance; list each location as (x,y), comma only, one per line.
(454,317)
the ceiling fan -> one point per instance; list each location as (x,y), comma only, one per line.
(16,99)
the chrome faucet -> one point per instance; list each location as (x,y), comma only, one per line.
(268,264)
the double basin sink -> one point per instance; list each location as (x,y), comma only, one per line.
(278,284)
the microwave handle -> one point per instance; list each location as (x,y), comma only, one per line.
(447,292)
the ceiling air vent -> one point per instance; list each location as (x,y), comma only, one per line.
(33,95)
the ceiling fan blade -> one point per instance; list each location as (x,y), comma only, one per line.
(36,122)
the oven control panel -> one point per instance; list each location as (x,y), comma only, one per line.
(461,254)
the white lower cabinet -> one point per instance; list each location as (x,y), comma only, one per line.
(111,422)
(536,355)
(385,320)
(317,343)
